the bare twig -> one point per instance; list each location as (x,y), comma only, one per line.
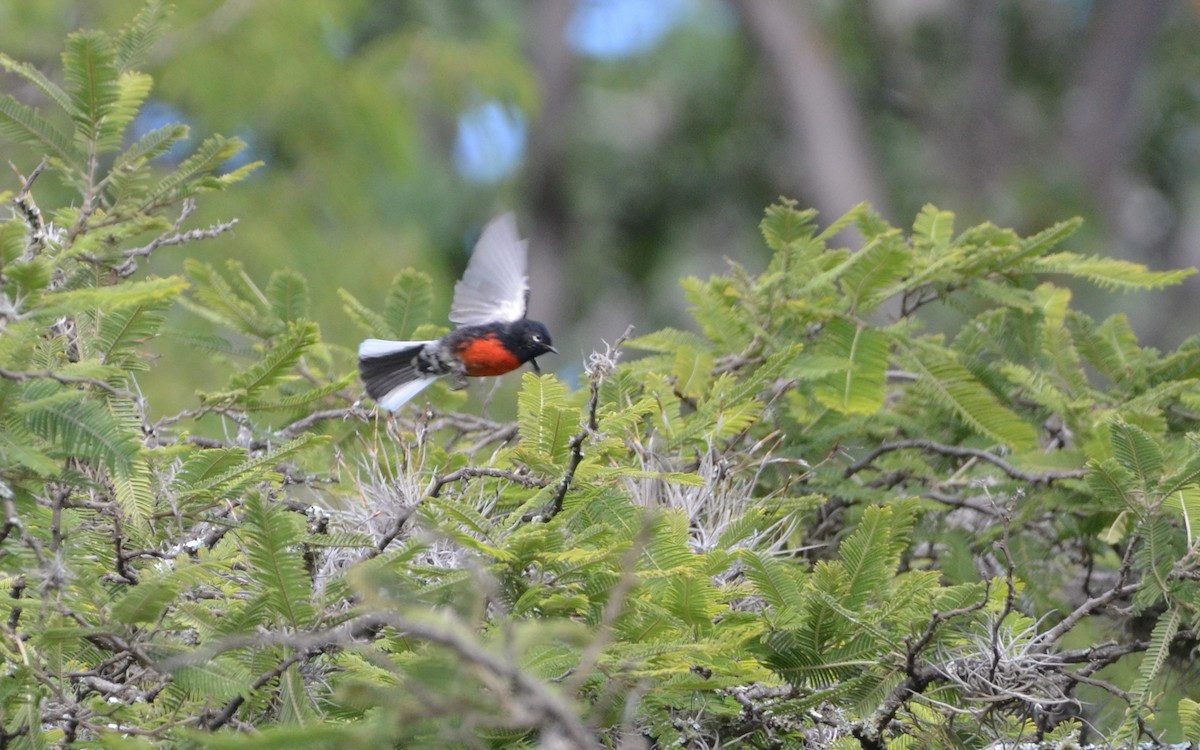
(66,380)
(1119,590)
(599,366)
(174,237)
(959,451)
(223,717)
(469,472)
(30,213)
(869,732)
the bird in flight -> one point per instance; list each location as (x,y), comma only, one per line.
(493,335)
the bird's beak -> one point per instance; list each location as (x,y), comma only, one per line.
(551,348)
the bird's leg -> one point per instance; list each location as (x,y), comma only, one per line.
(536,369)
(457,378)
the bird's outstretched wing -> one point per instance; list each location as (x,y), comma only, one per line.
(494,287)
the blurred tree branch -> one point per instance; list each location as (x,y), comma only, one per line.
(829,156)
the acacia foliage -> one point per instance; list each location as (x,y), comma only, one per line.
(810,522)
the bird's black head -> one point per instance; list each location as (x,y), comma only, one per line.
(529,339)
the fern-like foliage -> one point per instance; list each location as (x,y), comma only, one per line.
(808,505)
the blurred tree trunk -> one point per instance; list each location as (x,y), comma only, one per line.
(985,147)
(549,227)
(830,158)
(1098,114)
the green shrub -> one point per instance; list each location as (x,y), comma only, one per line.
(811,522)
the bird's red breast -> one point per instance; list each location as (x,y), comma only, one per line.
(487,355)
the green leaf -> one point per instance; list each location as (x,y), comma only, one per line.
(108,298)
(81,427)
(1186,476)
(27,280)
(867,557)
(1112,348)
(693,599)
(1136,451)
(124,329)
(302,399)
(1189,719)
(208,157)
(545,422)
(288,293)
(867,277)
(861,214)
(218,301)
(288,348)
(24,125)
(1151,666)
(16,449)
(244,473)
(271,534)
(219,678)
(1048,238)
(953,386)
(720,309)
(859,386)
(408,303)
(135,40)
(154,143)
(784,224)
(50,89)
(132,90)
(774,580)
(1187,502)
(692,371)
(933,229)
(1110,484)
(91,74)
(145,602)
(1109,273)
(669,341)
(12,241)
(370,322)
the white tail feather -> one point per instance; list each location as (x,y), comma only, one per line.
(383,347)
(401,395)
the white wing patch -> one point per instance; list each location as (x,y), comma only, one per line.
(494,286)
(401,395)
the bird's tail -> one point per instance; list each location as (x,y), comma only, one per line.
(389,371)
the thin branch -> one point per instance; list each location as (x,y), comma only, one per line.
(869,732)
(181,238)
(176,237)
(1094,682)
(599,366)
(470,472)
(222,718)
(66,380)
(959,451)
(303,424)
(1119,589)
(29,211)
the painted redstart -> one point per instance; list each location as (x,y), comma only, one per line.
(493,335)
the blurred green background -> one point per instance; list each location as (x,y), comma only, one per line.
(639,140)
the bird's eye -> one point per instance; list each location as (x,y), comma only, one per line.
(536,338)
